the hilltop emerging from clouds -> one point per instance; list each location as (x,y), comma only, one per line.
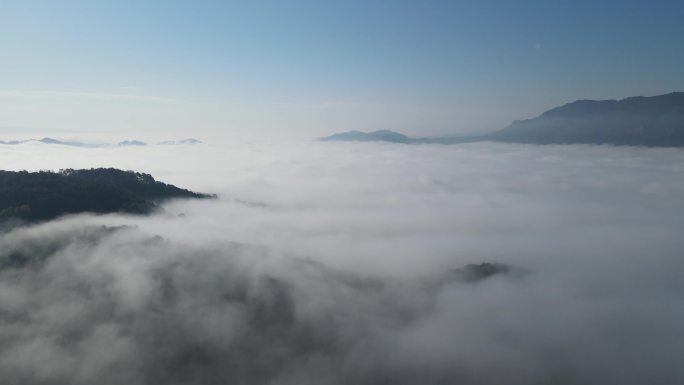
(44,195)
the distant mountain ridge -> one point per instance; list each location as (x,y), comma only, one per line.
(74,143)
(380,135)
(131,143)
(184,141)
(393,137)
(639,121)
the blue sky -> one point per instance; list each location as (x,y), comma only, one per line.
(301,68)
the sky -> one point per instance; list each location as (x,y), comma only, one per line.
(220,70)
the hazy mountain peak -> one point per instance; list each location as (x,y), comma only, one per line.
(131,143)
(182,141)
(379,135)
(639,120)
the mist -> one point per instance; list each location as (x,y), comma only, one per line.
(336,263)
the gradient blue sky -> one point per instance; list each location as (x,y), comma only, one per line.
(159,69)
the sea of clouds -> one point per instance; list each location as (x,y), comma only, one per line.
(333,263)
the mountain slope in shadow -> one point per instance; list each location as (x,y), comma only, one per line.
(45,195)
(656,121)
(639,121)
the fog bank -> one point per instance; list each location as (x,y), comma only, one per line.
(332,263)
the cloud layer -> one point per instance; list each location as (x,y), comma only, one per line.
(334,263)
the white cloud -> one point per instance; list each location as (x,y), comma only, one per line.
(332,275)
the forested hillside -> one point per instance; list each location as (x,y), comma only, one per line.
(43,195)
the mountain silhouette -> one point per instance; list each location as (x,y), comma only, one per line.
(656,121)
(640,121)
(380,135)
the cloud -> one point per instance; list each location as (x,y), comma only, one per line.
(334,263)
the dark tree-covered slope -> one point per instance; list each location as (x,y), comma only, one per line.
(34,196)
